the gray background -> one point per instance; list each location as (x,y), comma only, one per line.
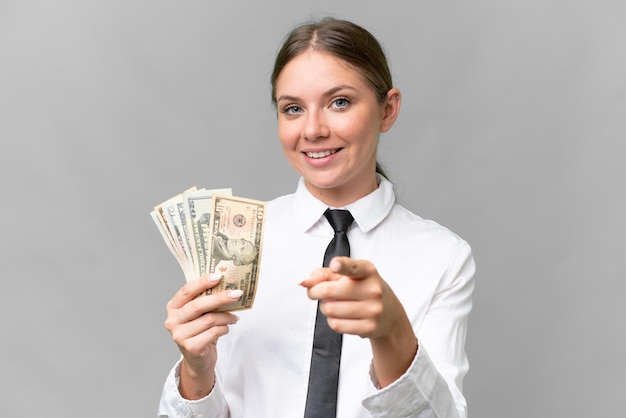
(511,133)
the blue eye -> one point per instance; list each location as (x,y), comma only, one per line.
(292,109)
(341,102)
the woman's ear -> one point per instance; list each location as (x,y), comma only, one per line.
(391,109)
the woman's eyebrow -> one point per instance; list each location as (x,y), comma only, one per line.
(286,97)
(328,93)
(339,88)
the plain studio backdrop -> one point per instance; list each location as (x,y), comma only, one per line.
(511,134)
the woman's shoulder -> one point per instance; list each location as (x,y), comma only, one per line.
(279,209)
(404,219)
(280,202)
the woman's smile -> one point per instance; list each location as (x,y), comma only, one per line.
(321,154)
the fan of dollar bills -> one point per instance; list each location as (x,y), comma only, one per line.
(211,231)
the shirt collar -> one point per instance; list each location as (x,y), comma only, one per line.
(368,211)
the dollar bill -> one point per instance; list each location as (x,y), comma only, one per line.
(211,231)
(160,223)
(165,218)
(172,212)
(179,221)
(197,206)
(236,241)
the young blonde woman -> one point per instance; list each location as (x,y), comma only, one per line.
(400,301)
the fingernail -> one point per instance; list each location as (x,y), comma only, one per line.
(235,294)
(215,277)
(236,317)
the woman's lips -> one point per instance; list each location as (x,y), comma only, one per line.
(321,154)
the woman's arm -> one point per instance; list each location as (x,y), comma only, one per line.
(195,328)
(358,301)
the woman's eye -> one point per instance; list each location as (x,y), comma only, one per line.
(341,102)
(292,109)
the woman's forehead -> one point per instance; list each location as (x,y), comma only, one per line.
(317,69)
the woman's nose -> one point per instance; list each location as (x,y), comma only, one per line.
(316,126)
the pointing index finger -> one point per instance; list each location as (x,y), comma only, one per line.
(347,266)
(317,276)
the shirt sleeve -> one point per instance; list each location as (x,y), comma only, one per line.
(173,405)
(433,384)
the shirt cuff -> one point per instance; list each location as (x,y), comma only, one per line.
(174,405)
(419,392)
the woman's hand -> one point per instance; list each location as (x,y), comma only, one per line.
(195,328)
(356,300)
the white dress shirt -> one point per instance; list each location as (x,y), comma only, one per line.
(263,362)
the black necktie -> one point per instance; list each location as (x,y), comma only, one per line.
(321,401)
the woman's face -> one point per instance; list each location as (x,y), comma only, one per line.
(329,121)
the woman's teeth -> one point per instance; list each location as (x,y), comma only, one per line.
(321,154)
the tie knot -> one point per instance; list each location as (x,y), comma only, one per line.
(340,219)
